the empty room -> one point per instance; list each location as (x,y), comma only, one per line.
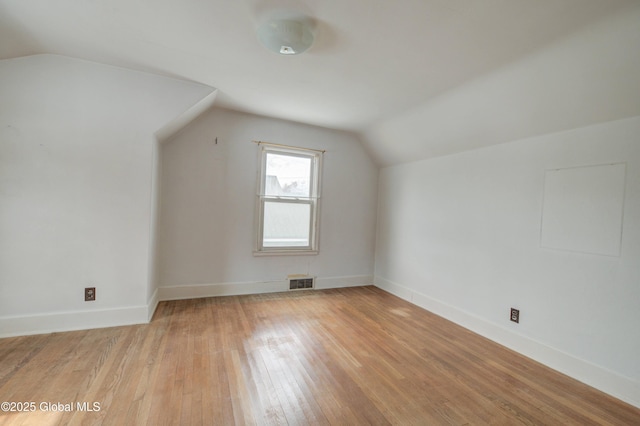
(271,212)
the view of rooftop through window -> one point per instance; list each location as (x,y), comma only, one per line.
(288,175)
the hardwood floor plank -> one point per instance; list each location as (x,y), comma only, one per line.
(342,356)
(17,352)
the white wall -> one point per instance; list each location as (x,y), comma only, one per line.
(208,205)
(76,163)
(588,77)
(460,235)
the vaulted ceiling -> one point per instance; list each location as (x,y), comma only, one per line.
(383,69)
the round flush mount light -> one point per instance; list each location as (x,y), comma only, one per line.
(286,36)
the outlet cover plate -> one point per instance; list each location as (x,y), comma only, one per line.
(515,315)
(89,294)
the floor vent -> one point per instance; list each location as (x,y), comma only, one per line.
(301,282)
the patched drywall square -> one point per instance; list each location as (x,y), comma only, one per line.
(583,209)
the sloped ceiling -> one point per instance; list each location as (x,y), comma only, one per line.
(382,69)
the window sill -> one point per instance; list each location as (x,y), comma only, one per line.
(285,252)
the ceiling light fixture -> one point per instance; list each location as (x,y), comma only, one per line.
(286,36)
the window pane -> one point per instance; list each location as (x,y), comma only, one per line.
(286,224)
(288,175)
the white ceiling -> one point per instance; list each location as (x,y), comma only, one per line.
(373,63)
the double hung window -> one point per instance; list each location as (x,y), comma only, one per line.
(288,199)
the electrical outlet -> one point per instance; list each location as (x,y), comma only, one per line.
(89,294)
(515,315)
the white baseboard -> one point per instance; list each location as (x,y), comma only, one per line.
(69,321)
(598,377)
(152,304)
(254,287)
(83,320)
(341,282)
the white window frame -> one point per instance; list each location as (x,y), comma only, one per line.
(313,200)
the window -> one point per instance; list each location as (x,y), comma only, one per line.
(288,195)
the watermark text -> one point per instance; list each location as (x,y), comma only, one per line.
(57,406)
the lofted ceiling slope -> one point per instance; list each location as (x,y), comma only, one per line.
(385,70)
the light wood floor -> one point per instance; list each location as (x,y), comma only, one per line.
(344,356)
